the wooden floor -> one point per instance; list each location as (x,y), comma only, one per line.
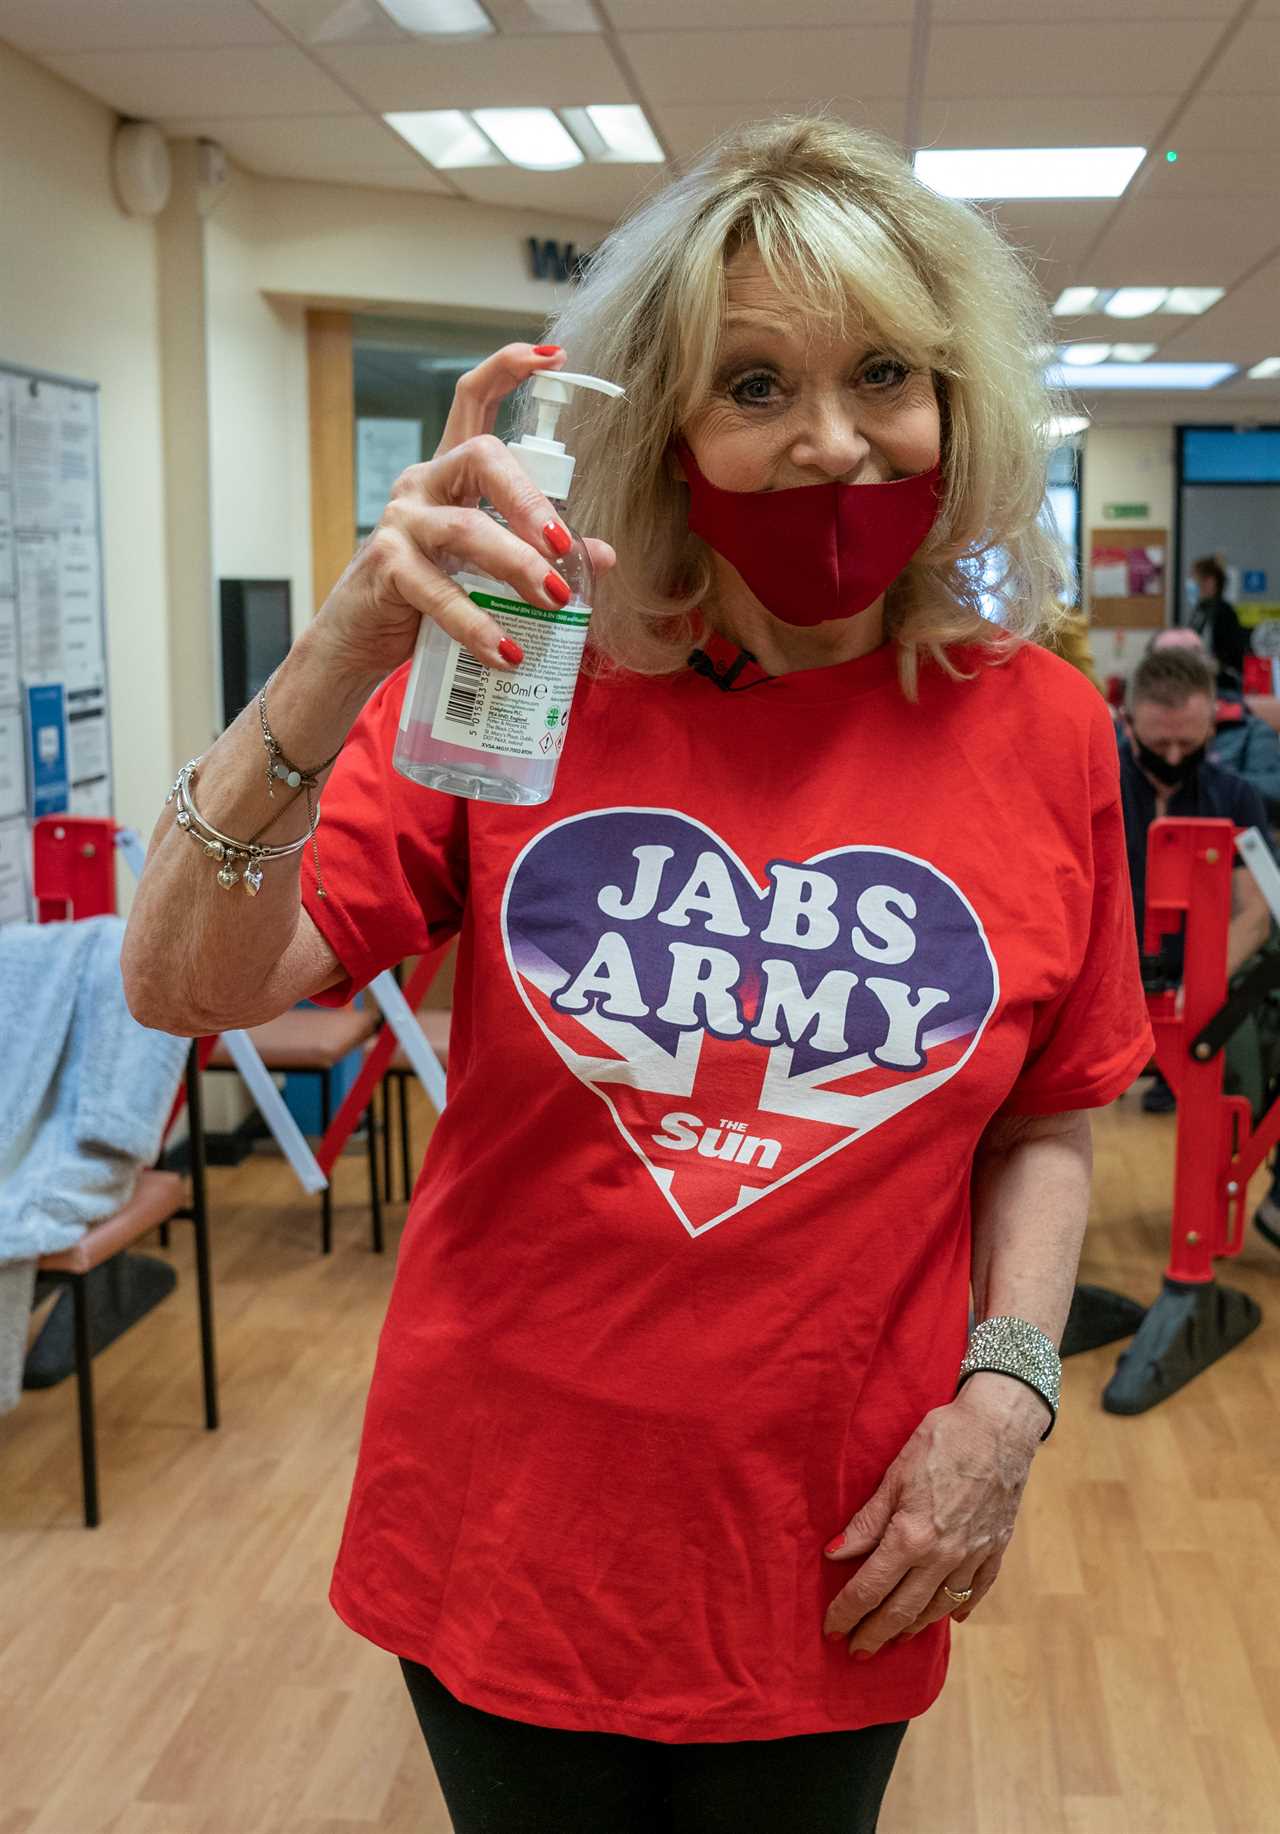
(179,1671)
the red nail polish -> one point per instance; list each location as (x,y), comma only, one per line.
(546,350)
(833,1547)
(836,1636)
(556,589)
(862,1655)
(510,651)
(558,539)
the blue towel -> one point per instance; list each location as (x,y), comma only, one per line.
(85,1092)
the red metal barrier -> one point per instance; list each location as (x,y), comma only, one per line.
(1189,867)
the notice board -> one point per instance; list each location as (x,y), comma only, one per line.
(55,741)
(1127,576)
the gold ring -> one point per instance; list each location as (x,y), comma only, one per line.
(958,1598)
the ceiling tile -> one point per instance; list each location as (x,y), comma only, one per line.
(1184,241)
(714,15)
(347,149)
(1244,321)
(486,73)
(92,25)
(769,67)
(1081,12)
(156,84)
(603,192)
(334,21)
(1043,120)
(1250,124)
(1223,175)
(1250,65)
(1107,59)
(1050,234)
(688,127)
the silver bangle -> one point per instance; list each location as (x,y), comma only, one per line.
(1013,1347)
(224,848)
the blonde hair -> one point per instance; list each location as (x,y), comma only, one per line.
(843,226)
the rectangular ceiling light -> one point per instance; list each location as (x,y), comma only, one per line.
(1164,376)
(1063,426)
(1269,366)
(1135,302)
(1132,353)
(439,18)
(1191,300)
(1084,356)
(615,131)
(532,137)
(1074,302)
(446,137)
(1032,171)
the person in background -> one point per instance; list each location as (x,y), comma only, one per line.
(1214,620)
(1165,731)
(1241,742)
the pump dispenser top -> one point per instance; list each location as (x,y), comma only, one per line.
(540,453)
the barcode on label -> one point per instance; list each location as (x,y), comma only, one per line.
(464,695)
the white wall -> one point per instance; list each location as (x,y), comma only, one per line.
(1127,465)
(78,297)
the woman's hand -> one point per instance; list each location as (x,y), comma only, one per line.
(944,1514)
(399,574)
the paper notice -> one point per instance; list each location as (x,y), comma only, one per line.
(15,904)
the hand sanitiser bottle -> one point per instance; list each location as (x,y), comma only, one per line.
(480,732)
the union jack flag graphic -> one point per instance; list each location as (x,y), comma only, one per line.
(741,1029)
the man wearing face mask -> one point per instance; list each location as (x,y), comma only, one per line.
(1165,729)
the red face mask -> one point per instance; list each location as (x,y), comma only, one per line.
(817,551)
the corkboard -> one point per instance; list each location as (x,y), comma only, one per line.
(1142,611)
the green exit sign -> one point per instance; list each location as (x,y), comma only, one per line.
(1127,512)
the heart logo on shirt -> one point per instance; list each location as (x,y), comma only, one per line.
(740,1028)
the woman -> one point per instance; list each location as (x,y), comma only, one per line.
(774,1027)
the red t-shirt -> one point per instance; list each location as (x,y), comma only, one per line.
(688,1260)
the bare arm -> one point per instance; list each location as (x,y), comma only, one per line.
(199,959)
(1030,1207)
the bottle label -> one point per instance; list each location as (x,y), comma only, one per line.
(524,714)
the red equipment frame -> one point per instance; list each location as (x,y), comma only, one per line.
(1189,867)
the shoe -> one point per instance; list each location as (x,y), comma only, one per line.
(1266,1218)
(1159,1098)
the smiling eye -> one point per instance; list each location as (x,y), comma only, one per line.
(754,390)
(889,369)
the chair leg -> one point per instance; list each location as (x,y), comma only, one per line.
(84,1385)
(405,1155)
(326,1196)
(386,1136)
(200,1224)
(375,1198)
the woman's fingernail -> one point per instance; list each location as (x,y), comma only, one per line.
(860,1655)
(556,589)
(558,539)
(510,651)
(546,350)
(836,1636)
(833,1547)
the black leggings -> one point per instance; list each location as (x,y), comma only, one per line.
(501,1776)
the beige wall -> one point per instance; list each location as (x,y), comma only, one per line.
(78,297)
(1127,465)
